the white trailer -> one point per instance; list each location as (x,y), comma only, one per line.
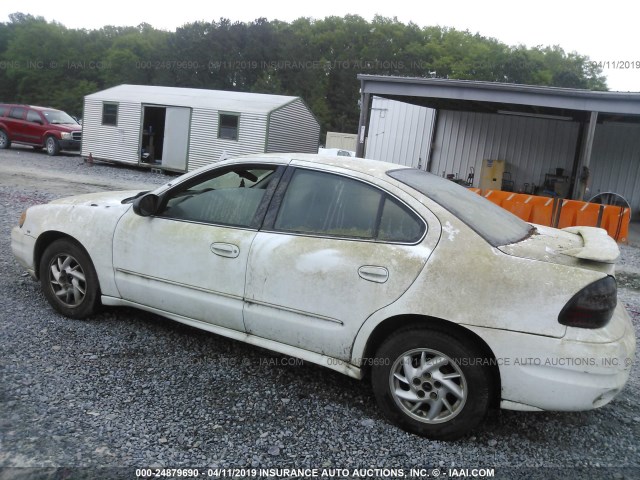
(180,129)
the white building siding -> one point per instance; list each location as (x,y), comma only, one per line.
(119,143)
(292,128)
(399,132)
(205,147)
(615,162)
(530,146)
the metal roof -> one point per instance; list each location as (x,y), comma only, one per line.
(194,97)
(492,97)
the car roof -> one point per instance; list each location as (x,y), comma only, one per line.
(362,165)
(35,107)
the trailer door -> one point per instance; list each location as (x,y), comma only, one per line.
(176,138)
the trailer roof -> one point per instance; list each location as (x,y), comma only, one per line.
(193,97)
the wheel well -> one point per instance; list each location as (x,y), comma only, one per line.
(44,241)
(392,324)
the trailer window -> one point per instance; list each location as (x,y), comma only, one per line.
(110,114)
(228,126)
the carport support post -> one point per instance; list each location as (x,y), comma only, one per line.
(363,124)
(586,147)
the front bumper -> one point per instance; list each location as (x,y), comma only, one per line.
(23,246)
(73,145)
(544,373)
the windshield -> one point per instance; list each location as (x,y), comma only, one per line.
(496,225)
(59,117)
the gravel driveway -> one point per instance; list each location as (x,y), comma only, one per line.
(128,390)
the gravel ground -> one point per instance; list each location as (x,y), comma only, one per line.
(127,390)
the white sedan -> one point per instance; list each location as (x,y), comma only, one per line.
(448,302)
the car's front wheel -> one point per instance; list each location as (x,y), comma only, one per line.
(69,280)
(52,146)
(431,383)
(4,140)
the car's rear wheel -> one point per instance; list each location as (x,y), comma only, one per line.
(431,383)
(4,140)
(52,146)
(69,280)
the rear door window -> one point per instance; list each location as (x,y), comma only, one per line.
(326,204)
(17,113)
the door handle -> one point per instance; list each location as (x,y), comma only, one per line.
(372,273)
(225,249)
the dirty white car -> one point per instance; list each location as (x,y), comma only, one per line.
(450,303)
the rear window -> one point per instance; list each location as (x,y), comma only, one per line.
(493,223)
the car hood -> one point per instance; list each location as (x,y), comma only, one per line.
(585,247)
(98,199)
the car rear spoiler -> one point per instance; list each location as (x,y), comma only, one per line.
(598,246)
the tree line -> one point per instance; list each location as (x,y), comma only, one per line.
(45,63)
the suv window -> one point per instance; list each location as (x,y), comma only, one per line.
(3,110)
(229,197)
(493,223)
(34,117)
(17,112)
(333,205)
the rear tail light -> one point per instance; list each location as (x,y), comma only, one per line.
(591,307)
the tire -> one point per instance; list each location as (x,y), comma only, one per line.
(69,280)
(449,389)
(4,140)
(52,146)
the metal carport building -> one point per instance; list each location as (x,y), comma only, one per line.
(535,129)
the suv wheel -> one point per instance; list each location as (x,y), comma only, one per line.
(4,140)
(52,146)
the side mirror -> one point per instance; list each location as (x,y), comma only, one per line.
(146,205)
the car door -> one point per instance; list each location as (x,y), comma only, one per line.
(190,257)
(333,250)
(16,124)
(34,128)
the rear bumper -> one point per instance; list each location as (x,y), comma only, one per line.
(543,373)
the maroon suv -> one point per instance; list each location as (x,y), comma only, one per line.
(39,127)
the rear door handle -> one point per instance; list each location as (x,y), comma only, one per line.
(372,273)
(225,249)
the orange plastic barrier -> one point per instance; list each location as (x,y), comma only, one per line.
(589,214)
(568,213)
(562,213)
(615,220)
(519,204)
(542,210)
(497,196)
(475,190)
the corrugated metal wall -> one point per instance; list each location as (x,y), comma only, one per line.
(530,146)
(293,128)
(615,162)
(119,143)
(399,132)
(205,147)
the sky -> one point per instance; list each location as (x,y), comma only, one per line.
(606,32)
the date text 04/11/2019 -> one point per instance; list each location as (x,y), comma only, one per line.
(617,64)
